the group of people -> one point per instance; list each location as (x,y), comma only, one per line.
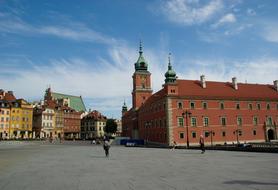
(201,141)
(106,144)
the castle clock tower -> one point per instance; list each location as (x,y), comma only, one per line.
(141,81)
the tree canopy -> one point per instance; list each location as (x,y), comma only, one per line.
(111,126)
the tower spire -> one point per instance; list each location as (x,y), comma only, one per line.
(141,63)
(140,47)
(170,75)
(169,63)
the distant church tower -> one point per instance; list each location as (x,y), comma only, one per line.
(141,81)
(124,108)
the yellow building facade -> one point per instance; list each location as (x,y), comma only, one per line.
(21,119)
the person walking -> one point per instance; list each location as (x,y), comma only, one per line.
(106,146)
(202,143)
(174,145)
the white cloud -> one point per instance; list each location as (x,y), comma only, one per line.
(261,70)
(108,78)
(72,30)
(228,18)
(270,32)
(109,82)
(189,12)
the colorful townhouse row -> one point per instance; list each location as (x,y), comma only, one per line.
(58,116)
(16,116)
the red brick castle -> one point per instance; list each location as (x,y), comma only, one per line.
(224,112)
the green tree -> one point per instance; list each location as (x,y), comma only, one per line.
(111,126)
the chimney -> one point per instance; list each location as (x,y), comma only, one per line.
(275,83)
(11,93)
(203,81)
(235,83)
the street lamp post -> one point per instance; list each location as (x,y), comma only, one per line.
(211,134)
(237,131)
(187,114)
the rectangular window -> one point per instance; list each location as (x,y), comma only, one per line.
(181,135)
(250,106)
(223,133)
(254,132)
(180,105)
(239,120)
(206,133)
(258,106)
(268,106)
(194,134)
(193,121)
(205,121)
(237,106)
(205,105)
(269,120)
(222,107)
(192,105)
(255,120)
(223,121)
(180,122)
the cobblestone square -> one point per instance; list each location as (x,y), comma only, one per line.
(80,165)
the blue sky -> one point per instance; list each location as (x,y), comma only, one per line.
(89,48)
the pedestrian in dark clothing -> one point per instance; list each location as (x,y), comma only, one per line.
(106,146)
(202,143)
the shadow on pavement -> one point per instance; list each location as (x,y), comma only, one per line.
(248,182)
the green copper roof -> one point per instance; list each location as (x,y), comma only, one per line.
(170,75)
(76,102)
(141,63)
(124,108)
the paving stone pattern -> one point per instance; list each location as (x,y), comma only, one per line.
(82,166)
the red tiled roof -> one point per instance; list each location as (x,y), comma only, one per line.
(225,90)
(96,116)
(7,96)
